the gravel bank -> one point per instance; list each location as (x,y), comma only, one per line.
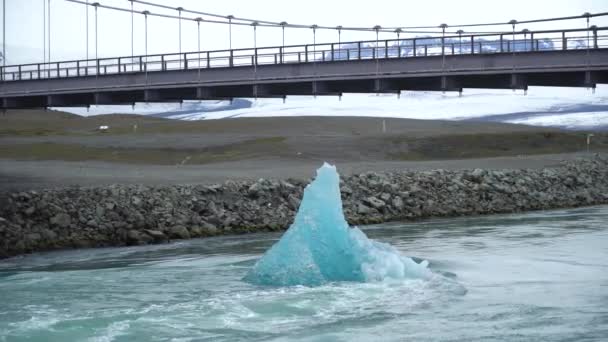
(122,215)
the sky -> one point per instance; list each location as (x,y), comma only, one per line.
(24,23)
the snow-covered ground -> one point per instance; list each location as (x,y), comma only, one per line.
(571,108)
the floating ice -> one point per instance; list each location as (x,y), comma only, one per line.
(320,247)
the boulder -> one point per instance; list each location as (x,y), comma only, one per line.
(178,232)
(374,202)
(61,220)
(157,236)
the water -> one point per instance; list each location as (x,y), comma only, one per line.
(531,277)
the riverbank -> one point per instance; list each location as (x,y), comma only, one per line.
(122,215)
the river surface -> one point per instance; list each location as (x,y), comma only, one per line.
(528,277)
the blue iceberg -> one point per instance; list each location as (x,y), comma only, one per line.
(320,247)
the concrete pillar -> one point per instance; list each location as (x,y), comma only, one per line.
(519,82)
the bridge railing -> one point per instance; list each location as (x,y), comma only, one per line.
(505,42)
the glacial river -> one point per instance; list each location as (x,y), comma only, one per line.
(539,276)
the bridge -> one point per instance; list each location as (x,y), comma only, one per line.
(497,60)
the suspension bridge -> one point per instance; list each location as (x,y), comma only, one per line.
(444,59)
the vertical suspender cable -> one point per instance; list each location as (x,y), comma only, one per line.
(339,28)
(230,17)
(198,27)
(132,29)
(443,27)
(86,30)
(513,85)
(283,24)
(377,57)
(96,45)
(377,53)
(512,22)
(398,31)
(49,30)
(146,41)
(3,37)
(96,4)
(179,39)
(44,32)
(255,59)
(314,58)
(314,42)
(460,32)
(587,73)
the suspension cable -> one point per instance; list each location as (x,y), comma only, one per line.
(278,24)
(240,21)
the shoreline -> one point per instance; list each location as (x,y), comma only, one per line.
(127,215)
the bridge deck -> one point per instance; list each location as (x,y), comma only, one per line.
(543,58)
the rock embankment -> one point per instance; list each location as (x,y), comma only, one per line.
(133,215)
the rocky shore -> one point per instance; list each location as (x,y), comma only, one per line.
(123,215)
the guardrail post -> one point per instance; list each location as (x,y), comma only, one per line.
(348,54)
(186,61)
(119,66)
(39,76)
(77,68)
(163,64)
(332,52)
(281,52)
(255,53)
(480,48)
(425,50)
(537,45)
(386,49)
(595,46)
(1,73)
(414,47)
(452,49)
(299,57)
(231,61)
(564,41)
(141,66)
(398,49)
(501,43)
(58,71)
(359,49)
(20,73)
(472,45)
(208,60)
(532,42)
(306,53)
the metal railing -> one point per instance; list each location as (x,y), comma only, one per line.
(505,42)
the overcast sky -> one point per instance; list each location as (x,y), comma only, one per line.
(25,30)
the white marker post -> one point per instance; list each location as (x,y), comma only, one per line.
(589,140)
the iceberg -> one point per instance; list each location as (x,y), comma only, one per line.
(320,247)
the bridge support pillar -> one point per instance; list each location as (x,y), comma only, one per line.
(591,79)
(519,82)
(204,93)
(57,101)
(22,102)
(102,98)
(152,96)
(319,88)
(385,86)
(450,84)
